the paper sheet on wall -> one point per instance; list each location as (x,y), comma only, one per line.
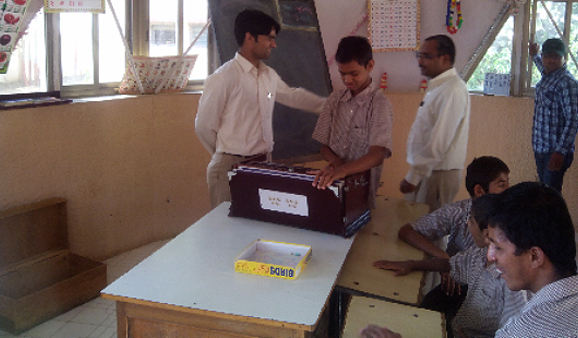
(394,25)
(11,14)
(61,6)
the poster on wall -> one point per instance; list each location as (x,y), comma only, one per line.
(11,14)
(83,6)
(394,25)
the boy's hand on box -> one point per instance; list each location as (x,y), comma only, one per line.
(400,268)
(324,177)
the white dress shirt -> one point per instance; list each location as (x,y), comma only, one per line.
(235,113)
(438,138)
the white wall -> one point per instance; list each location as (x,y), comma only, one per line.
(337,18)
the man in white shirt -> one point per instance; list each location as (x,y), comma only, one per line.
(235,116)
(437,141)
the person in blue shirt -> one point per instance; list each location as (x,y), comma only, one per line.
(555,113)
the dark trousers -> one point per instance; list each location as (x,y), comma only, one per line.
(437,300)
(553,179)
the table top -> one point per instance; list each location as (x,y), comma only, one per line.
(196,271)
(378,240)
(409,321)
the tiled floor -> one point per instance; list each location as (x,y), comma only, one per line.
(97,318)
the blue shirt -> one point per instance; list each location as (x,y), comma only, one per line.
(555,111)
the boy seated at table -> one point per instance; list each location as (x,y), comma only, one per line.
(355,126)
(532,243)
(485,174)
(489,303)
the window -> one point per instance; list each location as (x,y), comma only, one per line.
(498,58)
(508,52)
(27,64)
(546,19)
(86,56)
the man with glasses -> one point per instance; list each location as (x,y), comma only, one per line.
(555,113)
(437,141)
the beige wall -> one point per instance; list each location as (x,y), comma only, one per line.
(133,170)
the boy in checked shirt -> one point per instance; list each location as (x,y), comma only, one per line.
(355,126)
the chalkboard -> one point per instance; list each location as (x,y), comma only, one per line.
(299,59)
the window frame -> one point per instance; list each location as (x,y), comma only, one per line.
(137,30)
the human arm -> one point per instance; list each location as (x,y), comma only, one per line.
(568,96)
(335,171)
(211,106)
(438,137)
(299,98)
(405,267)
(374,331)
(412,237)
(534,53)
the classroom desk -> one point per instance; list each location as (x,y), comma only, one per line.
(189,287)
(409,321)
(378,240)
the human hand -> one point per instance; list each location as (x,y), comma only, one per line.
(556,161)
(405,187)
(533,48)
(324,177)
(449,285)
(374,331)
(400,268)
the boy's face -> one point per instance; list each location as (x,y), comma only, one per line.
(355,76)
(480,236)
(501,183)
(552,62)
(516,270)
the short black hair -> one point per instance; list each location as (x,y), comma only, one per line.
(354,48)
(531,214)
(482,209)
(256,23)
(445,45)
(483,170)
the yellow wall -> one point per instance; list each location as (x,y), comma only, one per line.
(133,170)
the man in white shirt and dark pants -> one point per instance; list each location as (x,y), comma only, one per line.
(235,116)
(438,139)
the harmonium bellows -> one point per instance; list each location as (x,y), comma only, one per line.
(277,193)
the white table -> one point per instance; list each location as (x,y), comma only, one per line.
(190,287)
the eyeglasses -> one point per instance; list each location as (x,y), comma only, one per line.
(426,56)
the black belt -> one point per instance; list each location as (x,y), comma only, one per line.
(257,157)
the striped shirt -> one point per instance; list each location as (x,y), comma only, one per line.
(349,125)
(555,111)
(551,312)
(450,220)
(489,303)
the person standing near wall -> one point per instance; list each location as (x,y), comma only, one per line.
(235,116)
(438,139)
(555,113)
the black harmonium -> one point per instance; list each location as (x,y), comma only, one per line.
(282,194)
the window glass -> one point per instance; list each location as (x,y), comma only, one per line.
(498,58)
(76,50)
(195,17)
(111,51)
(163,31)
(27,67)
